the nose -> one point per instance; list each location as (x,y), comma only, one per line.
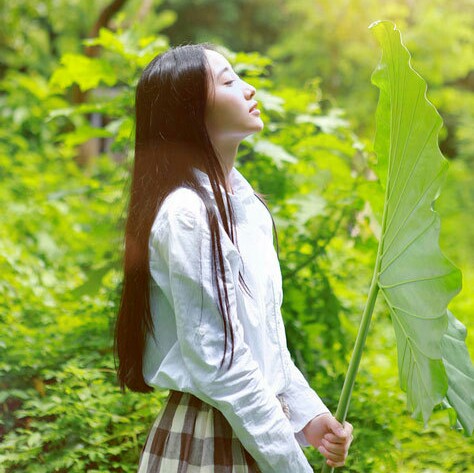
(250,90)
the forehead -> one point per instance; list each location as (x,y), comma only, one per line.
(217,61)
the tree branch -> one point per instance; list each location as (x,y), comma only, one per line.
(103,21)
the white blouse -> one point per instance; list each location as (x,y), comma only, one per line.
(189,330)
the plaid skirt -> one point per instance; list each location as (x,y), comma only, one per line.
(190,436)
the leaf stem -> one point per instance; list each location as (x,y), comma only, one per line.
(349,381)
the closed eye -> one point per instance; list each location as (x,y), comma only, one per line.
(229,82)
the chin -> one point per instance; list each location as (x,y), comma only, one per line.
(256,130)
(260,124)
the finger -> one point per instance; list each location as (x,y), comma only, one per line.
(336,449)
(335,464)
(348,427)
(345,436)
(331,456)
(334,439)
(336,427)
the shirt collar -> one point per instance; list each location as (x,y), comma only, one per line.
(242,190)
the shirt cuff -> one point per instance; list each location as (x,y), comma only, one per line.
(303,403)
(301,439)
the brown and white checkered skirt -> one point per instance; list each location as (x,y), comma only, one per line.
(190,436)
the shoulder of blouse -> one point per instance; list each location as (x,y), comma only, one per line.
(181,203)
(183,215)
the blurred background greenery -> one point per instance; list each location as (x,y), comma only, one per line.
(67,76)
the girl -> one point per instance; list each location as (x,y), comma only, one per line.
(207,324)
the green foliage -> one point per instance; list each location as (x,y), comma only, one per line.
(60,256)
(78,421)
(241,25)
(329,39)
(33,34)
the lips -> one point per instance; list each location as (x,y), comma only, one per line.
(253,107)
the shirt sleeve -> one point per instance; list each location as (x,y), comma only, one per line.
(240,392)
(303,402)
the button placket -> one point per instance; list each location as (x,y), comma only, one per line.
(279,334)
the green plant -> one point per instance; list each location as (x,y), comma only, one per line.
(416,280)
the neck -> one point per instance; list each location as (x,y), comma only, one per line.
(227,156)
(227,153)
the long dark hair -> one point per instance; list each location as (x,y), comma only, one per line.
(170,139)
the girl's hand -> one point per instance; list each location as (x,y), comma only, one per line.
(332,439)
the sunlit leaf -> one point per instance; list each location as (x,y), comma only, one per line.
(274,151)
(460,372)
(327,123)
(86,72)
(415,278)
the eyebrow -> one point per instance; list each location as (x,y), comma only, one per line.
(222,71)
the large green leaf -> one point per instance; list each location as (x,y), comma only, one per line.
(460,372)
(415,278)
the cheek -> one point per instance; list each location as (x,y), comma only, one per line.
(227,109)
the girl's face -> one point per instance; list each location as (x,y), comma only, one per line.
(228,116)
